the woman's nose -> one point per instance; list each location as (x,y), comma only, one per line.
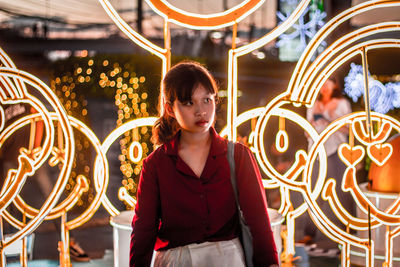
(200,111)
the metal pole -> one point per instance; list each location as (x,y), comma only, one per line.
(366,92)
(139,16)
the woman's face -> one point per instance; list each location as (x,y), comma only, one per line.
(327,89)
(196,115)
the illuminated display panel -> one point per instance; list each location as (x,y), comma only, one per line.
(304,86)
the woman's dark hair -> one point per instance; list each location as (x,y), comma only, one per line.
(337,91)
(178,84)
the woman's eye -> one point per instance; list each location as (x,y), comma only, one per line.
(188,103)
(207,100)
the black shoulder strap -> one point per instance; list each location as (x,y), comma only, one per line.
(231,160)
(247,239)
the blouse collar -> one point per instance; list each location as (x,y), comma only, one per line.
(218,144)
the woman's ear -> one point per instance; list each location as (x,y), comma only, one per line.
(169,109)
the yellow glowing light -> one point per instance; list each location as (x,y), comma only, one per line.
(281,141)
(293,88)
(82,185)
(310,95)
(380,153)
(362,135)
(110,139)
(132,34)
(351,156)
(18,89)
(234,53)
(303,88)
(209,21)
(135,157)
(123,195)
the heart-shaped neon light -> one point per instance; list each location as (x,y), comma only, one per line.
(380,153)
(351,155)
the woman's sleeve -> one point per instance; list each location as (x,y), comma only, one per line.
(254,205)
(310,113)
(146,220)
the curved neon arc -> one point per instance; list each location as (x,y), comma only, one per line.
(149,121)
(293,87)
(204,21)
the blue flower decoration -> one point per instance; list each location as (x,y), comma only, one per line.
(383,97)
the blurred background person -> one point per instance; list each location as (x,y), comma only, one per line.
(329,106)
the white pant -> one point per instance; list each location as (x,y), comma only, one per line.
(208,254)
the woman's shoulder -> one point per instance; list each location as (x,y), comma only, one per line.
(241,149)
(341,99)
(158,154)
(343,102)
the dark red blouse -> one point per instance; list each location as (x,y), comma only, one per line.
(175,208)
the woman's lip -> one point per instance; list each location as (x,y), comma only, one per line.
(201,122)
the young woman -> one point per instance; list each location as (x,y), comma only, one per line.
(186,207)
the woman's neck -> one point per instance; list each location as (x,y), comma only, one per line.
(189,139)
(325,99)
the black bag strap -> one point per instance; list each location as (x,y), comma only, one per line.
(247,239)
(231,160)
